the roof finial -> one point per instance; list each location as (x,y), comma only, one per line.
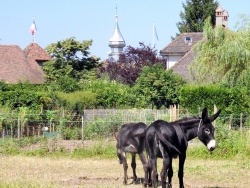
(116,14)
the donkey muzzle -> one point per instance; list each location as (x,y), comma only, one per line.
(211,145)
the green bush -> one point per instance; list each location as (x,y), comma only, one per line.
(77,100)
(229,100)
(22,95)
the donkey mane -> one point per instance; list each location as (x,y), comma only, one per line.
(186,120)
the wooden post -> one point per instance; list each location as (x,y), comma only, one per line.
(174,112)
(3,134)
(50,126)
(230,122)
(82,132)
(170,113)
(33,131)
(177,111)
(215,110)
(11,132)
(241,122)
(28,130)
(38,132)
(18,127)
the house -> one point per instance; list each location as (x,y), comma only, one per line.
(174,51)
(19,65)
(178,54)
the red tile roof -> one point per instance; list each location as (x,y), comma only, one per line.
(34,51)
(20,66)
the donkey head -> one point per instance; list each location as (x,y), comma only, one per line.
(206,129)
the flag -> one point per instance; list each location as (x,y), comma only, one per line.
(33,28)
(156,33)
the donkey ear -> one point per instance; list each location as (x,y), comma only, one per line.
(204,114)
(213,117)
(116,135)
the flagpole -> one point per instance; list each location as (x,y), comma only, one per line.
(153,44)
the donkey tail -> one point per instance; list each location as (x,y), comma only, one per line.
(167,143)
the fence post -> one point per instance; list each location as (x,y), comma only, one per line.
(215,110)
(241,122)
(170,113)
(38,132)
(230,122)
(11,132)
(18,128)
(28,131)
(33,131)
(3,134)
(82,132)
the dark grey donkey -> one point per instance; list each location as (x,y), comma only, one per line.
(130,139)
(169,140)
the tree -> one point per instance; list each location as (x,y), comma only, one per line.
(70,58)
(225,53)
(195,13)
(130,64)
(158,86)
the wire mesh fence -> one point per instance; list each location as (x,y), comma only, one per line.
(101,121)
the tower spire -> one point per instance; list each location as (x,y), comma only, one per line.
(116,42)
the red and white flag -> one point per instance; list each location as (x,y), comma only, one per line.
(33,28)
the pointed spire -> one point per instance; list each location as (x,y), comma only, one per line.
(116,42)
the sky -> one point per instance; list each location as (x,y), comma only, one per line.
(95,20)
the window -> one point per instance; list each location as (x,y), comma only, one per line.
(188,39)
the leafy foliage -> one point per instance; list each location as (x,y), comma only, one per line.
(130,64)
(158,86)
(70,58)
(111,94)
(195,13)
(230,100)
(226,54)
(77,100)
(22,95)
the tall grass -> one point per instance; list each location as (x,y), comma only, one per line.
(230,144)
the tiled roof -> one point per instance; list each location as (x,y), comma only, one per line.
(34,51)
(180,46)
(15,67)
(182,66)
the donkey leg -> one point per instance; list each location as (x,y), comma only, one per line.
(153,171)
(125,168)
(145,168)
(182,159)
(170,174)
(133,165)
(166,162)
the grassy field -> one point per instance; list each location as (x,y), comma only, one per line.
(24,171)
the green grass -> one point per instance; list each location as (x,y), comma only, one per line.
(230,145)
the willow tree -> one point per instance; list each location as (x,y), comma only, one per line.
(222,57)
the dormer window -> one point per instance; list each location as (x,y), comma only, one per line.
(188,39)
